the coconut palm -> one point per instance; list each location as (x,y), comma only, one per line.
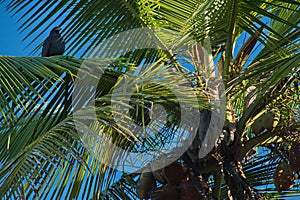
(48,152)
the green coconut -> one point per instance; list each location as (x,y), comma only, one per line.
(159,176)
(294,156)
(145,185)
(284,177)
(257,127)
(267,120)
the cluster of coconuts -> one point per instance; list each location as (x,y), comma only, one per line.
(176,184)
(294,156)
(145,185)
(284,177)
(264,122)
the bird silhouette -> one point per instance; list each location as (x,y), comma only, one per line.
(54,44)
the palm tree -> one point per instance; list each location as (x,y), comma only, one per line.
(45,152)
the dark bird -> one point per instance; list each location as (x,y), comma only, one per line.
(54,44)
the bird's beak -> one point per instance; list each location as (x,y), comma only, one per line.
(57,29)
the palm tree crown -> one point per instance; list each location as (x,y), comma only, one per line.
(61,116)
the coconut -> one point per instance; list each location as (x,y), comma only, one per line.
(175,173)
(159,176)
(267,120)
(183,191)
(257,127)
(284,177)
(188,191)
(166,192)
(145,185)
(294,156)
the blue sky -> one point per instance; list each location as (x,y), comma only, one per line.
(10,38)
